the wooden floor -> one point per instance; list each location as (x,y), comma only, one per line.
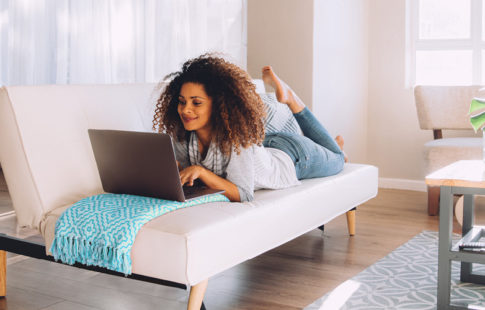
(288,277)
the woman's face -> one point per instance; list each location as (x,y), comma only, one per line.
(194,107)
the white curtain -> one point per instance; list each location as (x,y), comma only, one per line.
(114,41)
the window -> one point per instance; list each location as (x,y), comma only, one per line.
(447,39)
(129,41)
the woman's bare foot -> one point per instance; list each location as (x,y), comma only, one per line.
(340,142)
(284,93)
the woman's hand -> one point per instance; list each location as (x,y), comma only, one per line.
(211,180)
(190,174)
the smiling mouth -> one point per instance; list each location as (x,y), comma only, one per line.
(188,119)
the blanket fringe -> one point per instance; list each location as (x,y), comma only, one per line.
(70,250)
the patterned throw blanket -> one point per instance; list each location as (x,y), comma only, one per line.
(100,230)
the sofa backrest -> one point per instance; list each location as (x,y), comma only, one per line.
(45,150)
(444,107)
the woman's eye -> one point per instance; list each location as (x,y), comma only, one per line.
(197,103)
(181,102)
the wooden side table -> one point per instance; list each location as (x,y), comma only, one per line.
(464,177)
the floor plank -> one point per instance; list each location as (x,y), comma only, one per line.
(88,294)
(288,277)
(67,305)
(25,299)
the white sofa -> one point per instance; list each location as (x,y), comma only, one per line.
(48,165)
(445,107)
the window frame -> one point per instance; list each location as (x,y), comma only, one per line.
(475,43)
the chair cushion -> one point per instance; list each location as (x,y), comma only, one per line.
(442,152)
(192,244)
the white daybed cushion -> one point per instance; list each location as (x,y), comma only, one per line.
(192,244)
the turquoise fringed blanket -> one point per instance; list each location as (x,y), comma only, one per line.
(100,230)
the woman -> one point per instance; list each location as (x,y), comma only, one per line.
(216,119)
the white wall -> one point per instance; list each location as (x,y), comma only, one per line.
(394,137)
(395,141)
(340,76)
(356,54)
(320,49)
(280,34)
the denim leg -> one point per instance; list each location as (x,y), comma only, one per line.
(284,142)
(314,130)
(311,160)
(322,162)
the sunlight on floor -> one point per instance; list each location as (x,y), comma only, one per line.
(339,296)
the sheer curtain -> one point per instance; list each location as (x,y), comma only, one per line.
(114,41)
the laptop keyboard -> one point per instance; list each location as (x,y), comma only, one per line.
(189,190)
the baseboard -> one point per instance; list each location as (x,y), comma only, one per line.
(412,185)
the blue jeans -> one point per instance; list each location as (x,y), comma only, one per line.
(316,154)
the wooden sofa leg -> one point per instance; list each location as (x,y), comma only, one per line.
(196,296)
(3,273)
(351,221)
(433,200)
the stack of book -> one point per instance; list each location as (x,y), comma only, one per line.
(472,246)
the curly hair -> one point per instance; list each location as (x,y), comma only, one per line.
(237,110)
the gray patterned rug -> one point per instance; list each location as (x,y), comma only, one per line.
(404,279)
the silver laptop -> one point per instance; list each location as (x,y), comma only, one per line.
(140,163)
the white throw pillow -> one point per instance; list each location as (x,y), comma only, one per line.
(279,117)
